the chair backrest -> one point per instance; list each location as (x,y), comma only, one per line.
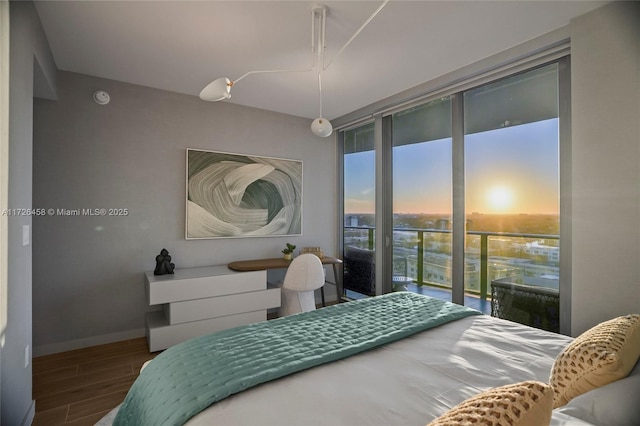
(305,273)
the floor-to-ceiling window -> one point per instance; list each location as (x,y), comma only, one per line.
(506,134)
(422,214)
(511,146)
(359,211)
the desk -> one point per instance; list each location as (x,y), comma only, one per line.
(280,263)
(197,301)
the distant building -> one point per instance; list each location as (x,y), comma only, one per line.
(443,223)
(537,249)
(351,220)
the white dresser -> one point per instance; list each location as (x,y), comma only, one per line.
(198,301)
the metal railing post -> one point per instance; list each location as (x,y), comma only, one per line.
(420,259)
(371,241)
(484,260)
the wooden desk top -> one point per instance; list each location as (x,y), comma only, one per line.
(275,263)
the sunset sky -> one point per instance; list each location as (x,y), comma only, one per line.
(507,171)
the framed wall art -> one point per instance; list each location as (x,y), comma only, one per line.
(234,195)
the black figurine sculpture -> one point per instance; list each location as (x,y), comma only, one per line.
(163,263)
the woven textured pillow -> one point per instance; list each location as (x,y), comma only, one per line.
(522,404)
(600,355)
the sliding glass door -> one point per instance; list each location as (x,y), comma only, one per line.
(359,211)
(511,146)
(422,211)
(472,212)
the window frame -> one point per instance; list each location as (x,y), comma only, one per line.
(384,185)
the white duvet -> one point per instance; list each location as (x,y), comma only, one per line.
(409,382)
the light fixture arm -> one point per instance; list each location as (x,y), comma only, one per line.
(313,47)
(373,15)
(320,126)
(321,12)
(320,91)
(268,71)
(220,89)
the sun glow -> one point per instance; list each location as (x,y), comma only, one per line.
(500,198)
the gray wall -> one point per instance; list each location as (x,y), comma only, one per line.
(605,79)
(29,49)
(88,283)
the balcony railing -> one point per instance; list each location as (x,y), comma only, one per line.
(364,237)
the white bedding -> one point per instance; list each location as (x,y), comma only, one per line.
(409,382)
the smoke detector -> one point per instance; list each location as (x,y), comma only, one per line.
(101,97)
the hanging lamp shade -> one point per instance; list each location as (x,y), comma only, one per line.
(220,89)
(321,127)
(217,90)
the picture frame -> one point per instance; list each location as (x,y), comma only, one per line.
(232,195)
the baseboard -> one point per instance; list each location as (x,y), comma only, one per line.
(31,414)
(70,345)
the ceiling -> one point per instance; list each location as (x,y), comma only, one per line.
(181,46)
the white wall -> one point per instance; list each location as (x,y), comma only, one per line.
(29,51)
(88,283)
(605,80)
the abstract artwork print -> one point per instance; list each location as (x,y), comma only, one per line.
(234,195)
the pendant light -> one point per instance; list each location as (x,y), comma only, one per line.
(220,89)
(217,90)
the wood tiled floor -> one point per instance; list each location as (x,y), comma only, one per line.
(79,387)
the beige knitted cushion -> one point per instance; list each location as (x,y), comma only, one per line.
(522,404)
(600,355)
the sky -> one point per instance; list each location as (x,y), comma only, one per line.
(510,170)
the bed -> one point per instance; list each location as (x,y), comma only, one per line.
(410,380)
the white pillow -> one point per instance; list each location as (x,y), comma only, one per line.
(615,404)
(560,419)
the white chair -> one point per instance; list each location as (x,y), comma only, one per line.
(304,275)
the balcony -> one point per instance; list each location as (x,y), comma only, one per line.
(530,260)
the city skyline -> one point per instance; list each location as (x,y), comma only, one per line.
(511,170)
